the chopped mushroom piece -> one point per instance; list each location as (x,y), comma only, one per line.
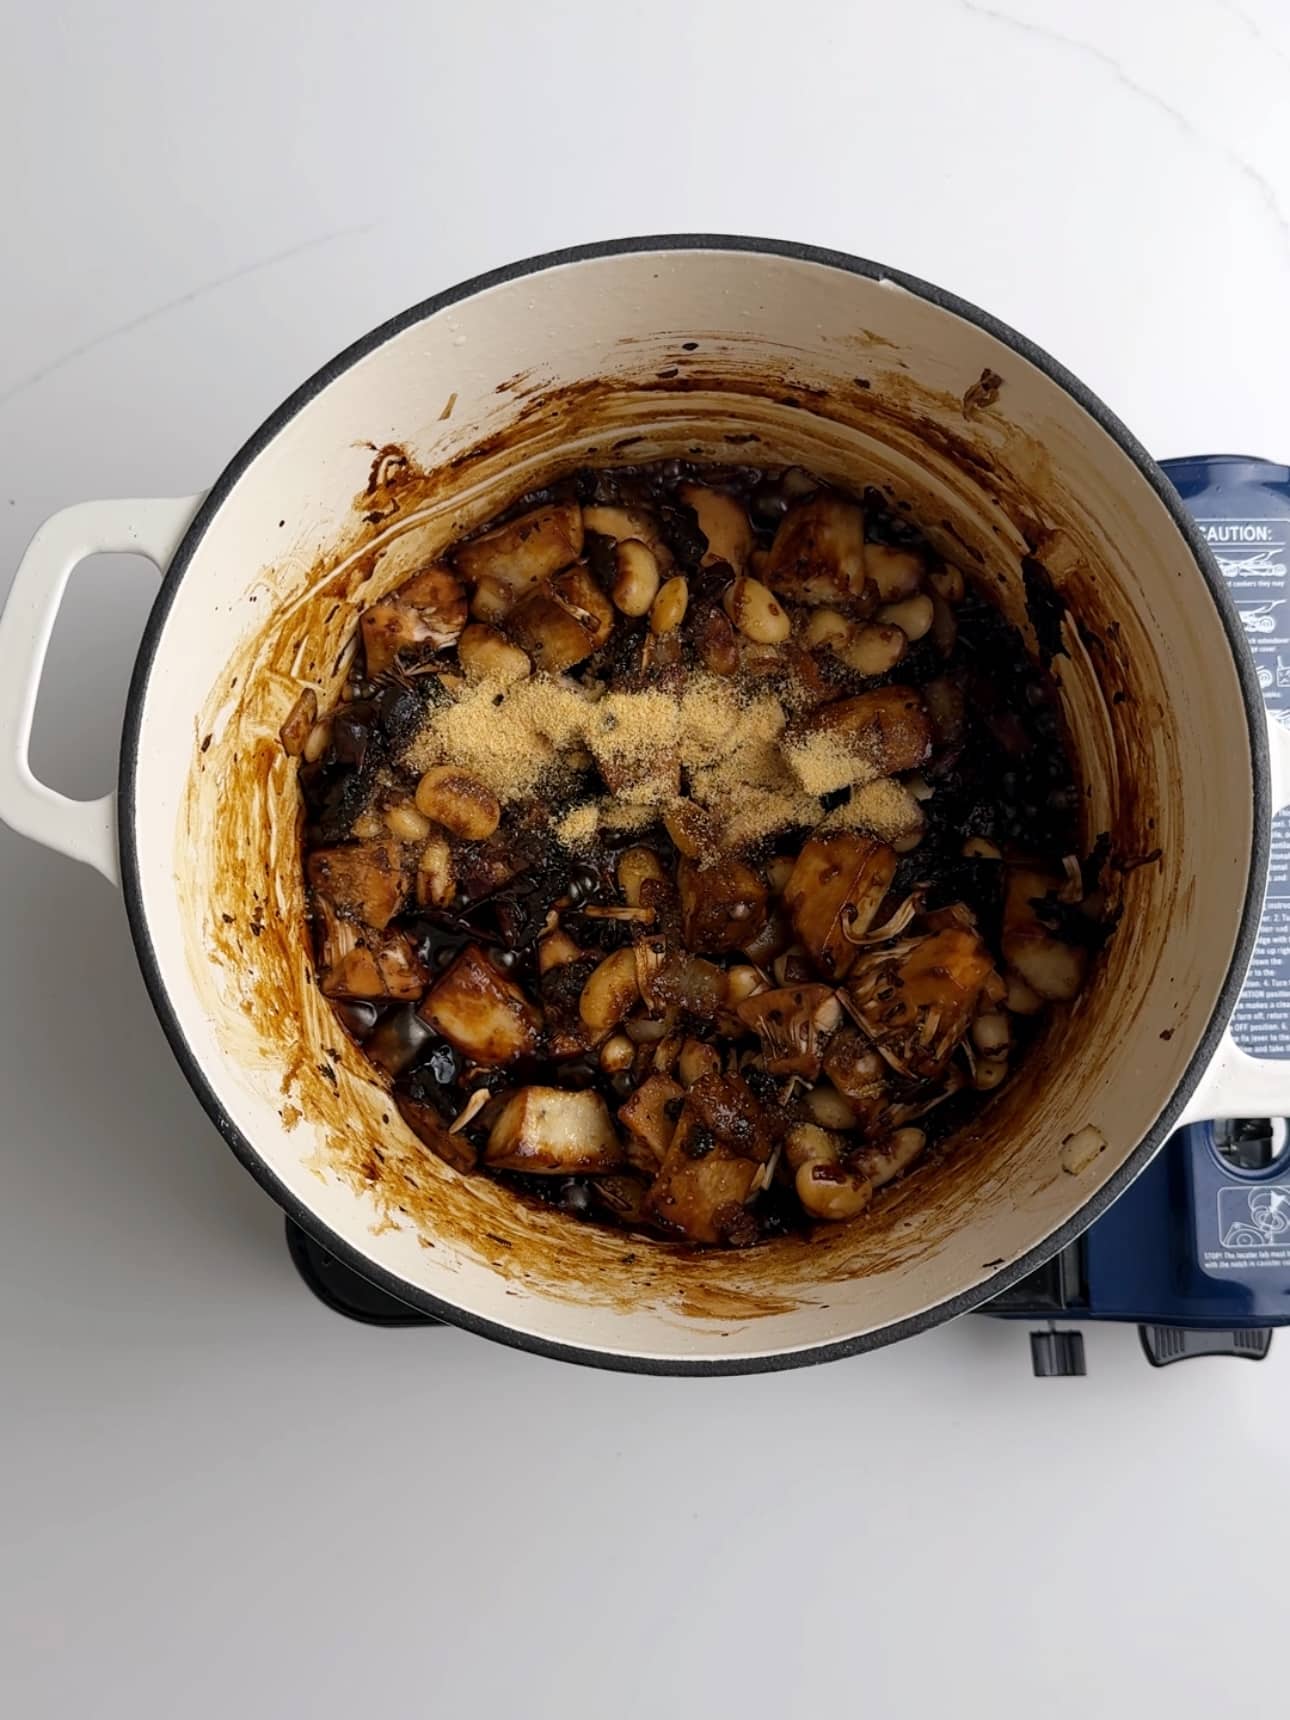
(480,1011)
(492,601)
(649,1117)
(391,628)
(431,1130)
(702,1184)
(625,1197)
(578,592)
(794,1024)
(428,612)
(860,1075)
(723,522)
(485,867)
(551,633)
(686,982)
(397,1040)
(818,555)
(648,777)
(727,1105)
(697,1059)
(771,941)
(882,733)
(916,999)
(716,643)
(883,807)
(611,990)
(1052,969)
(553,1131)
(692,828)
(723,906)
(487,655)
(835,889)
(367,881)
(440,598)
(525,550)
(623,523)
(556,949)
(355,963)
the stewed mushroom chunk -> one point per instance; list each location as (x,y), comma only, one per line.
(692,849)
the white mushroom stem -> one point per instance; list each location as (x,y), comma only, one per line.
(473,1106)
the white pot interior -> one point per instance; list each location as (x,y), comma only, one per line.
(741,355)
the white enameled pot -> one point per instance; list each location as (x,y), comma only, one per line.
(742,349)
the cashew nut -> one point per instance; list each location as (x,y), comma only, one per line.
(913,616)
(873,650)
(668,609)
(830,1192)
(459,802)
(756,612)
(636,577)
(609,993)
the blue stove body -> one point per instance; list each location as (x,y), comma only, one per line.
(1196,1252)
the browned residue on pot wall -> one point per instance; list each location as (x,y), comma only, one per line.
(974,481)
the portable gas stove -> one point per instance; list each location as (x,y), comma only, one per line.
(1196,1252)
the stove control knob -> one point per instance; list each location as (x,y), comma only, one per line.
(1057,1354)
(1165,1344)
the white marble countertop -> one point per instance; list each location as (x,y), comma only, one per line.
(216,1497)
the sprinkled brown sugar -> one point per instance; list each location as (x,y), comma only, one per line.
(823,763)
(713,742)
(579,825)
(508,736)
(885,809)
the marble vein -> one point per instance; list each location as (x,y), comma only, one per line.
(1260,184)
(1254,29)
(22,383)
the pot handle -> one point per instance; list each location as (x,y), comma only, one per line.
(82,829)
(1236,1084)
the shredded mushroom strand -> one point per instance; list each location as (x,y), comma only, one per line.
(1072,889)
(891,928)
(473,1106)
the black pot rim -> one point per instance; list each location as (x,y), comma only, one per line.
(947,1309)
